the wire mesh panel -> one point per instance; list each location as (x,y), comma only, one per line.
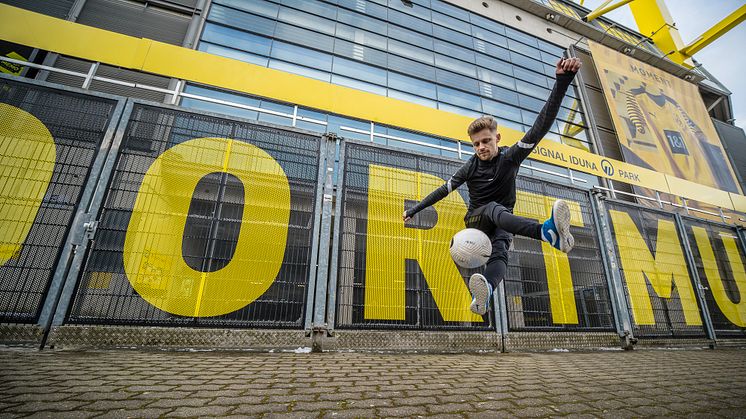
(549,290)
(207,221)
(656,277)
(721,264)
(393,274)
(48,141)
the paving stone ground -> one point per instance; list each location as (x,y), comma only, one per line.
(640,383)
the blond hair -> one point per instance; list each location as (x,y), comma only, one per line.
(481,123)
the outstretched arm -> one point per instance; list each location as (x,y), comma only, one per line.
(566,70)
(454,182)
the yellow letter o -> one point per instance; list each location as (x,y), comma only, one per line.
(27,155)
(153,257)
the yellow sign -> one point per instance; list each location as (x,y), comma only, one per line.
(662,124)
(665,270)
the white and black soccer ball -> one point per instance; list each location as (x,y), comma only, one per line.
(470,248)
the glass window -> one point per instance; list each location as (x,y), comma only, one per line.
(276,119)
(527,62)
(520,36)
(501,110)
(335,124)
(232,53)
(290,33)
(414,68)
(454,51)
(457,66)
(412,85)
(295,54)
(485,23)
(511,124)
(443,7)
(359,85)
(489,36)
(407,97)
(360,21)
(457,110)
(261,8)
(410,37)
(420,9)
(495,92)
(241,20)
(365,7)
(320,8)
(532,89)
(495,78)
(494,64)
(453,36)
(530,76)
(219,108)
(236,39)
(300,70)
(361,37)
(360,52)
(411,22)
(531,103)
(410,51)
(311,126)
(452,79)
(522,48)
(307,20)
(359,71)
(529,117)
(450,22)
(491,50)
(459,98)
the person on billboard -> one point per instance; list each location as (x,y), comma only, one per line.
(490,176)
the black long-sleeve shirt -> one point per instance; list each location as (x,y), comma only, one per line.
(494,180)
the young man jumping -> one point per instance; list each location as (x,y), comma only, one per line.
(490,177)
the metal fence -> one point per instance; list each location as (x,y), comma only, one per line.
(391,274)
(658,283)
(49,139)
(149,214)
(546,289)
(719,257)
(206,221)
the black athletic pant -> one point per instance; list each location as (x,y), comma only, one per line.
(499,224)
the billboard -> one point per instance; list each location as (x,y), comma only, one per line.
(661,122)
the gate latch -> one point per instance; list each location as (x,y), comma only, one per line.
(89,229)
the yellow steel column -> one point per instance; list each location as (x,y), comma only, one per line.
(655,21)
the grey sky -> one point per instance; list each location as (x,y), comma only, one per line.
(724,58)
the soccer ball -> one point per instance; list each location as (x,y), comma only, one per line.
(470,248)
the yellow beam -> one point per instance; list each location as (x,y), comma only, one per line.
(601,10)
(655,21)
(718,30)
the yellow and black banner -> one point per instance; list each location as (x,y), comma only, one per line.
(206,221)
(397,274)
(48,142)
(659,288)
(662,123)
(721,265)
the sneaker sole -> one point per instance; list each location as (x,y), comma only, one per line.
(479,290)
(561,213)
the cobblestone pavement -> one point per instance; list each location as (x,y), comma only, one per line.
(646,383)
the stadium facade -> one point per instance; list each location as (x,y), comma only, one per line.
(213,165)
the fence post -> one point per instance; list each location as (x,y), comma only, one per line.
(61,289)
(319,326)
(683,237)
(611,266)
(331,308)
